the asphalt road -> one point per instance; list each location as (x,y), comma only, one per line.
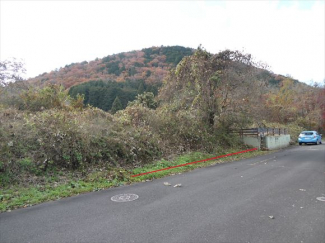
(230,202)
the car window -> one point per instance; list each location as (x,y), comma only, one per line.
(307,133)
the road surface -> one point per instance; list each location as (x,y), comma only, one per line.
(271,198)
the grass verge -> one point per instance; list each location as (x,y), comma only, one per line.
(18,196)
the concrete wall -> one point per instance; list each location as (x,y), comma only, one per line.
(252,141)
(268,142)
(275,142)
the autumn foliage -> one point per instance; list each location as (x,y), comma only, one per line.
(150,65)
(202,99)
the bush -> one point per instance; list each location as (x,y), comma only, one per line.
(50,97)
(146,99)
(74,140)
(176,132)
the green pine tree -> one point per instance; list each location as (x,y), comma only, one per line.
(140,88)
(117,105)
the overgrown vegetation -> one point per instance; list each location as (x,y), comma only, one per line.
(51,141)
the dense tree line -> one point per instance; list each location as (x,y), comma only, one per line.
(102,94)
(174,54)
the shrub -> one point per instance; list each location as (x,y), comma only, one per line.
(49,97)
(74,140)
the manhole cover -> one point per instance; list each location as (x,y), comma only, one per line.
(124,197)
(321,199)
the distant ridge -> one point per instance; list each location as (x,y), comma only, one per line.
(149,65)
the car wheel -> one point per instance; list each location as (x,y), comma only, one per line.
(300,144)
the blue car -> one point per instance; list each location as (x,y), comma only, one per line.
(310,137)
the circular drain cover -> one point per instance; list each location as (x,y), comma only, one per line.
(124,197)
(321,199)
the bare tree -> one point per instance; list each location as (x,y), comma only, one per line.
(11,71)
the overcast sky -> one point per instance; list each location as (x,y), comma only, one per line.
(287,35)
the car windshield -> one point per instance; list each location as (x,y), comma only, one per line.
(307,133)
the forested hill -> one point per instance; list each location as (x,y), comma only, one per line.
(150,65)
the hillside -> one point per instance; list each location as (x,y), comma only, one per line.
(150,65)
(125,75)
(54,142)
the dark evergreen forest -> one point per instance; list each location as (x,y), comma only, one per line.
(101,94)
